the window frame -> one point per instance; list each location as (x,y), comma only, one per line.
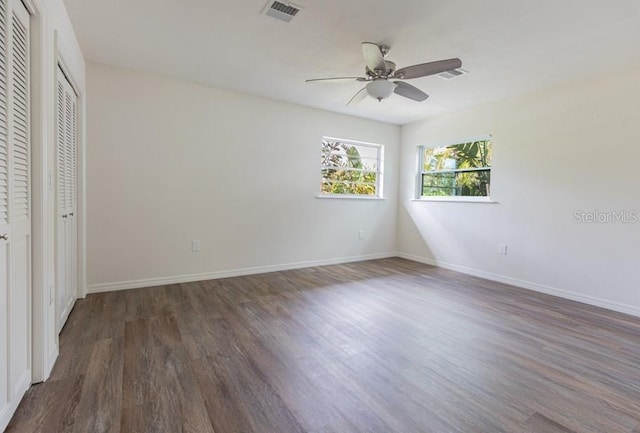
(452,198)
(379,193)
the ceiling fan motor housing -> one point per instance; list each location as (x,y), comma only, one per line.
(391,67)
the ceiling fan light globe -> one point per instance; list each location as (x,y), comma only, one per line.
(380,89)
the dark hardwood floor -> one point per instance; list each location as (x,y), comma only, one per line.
(379,346)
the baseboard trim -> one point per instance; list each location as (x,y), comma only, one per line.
(590,300)
(6,412)
(22,386)
(151,282)
(53,356)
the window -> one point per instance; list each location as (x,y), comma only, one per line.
(458,170)
(351,168)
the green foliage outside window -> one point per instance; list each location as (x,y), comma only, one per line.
(346,171)
(459,170)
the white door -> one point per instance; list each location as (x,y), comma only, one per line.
(15,218)
(67,199)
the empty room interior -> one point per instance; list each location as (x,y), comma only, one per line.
(319,216)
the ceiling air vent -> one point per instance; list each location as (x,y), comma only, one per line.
(447,75)
(281,11)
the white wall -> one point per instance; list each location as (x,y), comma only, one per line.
(566,149)
(170,161)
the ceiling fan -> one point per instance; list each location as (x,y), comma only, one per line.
(381,75)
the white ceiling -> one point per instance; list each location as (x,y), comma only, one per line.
(509,46)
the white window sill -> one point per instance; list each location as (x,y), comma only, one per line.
(349,197)
(457,199)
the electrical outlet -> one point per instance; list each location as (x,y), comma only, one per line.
(195,246)
(502,249)
(361,234)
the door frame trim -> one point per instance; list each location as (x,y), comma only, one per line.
(44,347)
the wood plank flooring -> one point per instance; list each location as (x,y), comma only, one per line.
(380,346)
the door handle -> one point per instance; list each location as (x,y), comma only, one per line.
(64,216)
(5,237)
(71,214)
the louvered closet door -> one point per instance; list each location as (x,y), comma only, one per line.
(67,198)
(15,218)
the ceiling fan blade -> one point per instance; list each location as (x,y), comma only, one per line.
(409,91)
(373,57)
(335,79)
(362,93)
(424,69)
